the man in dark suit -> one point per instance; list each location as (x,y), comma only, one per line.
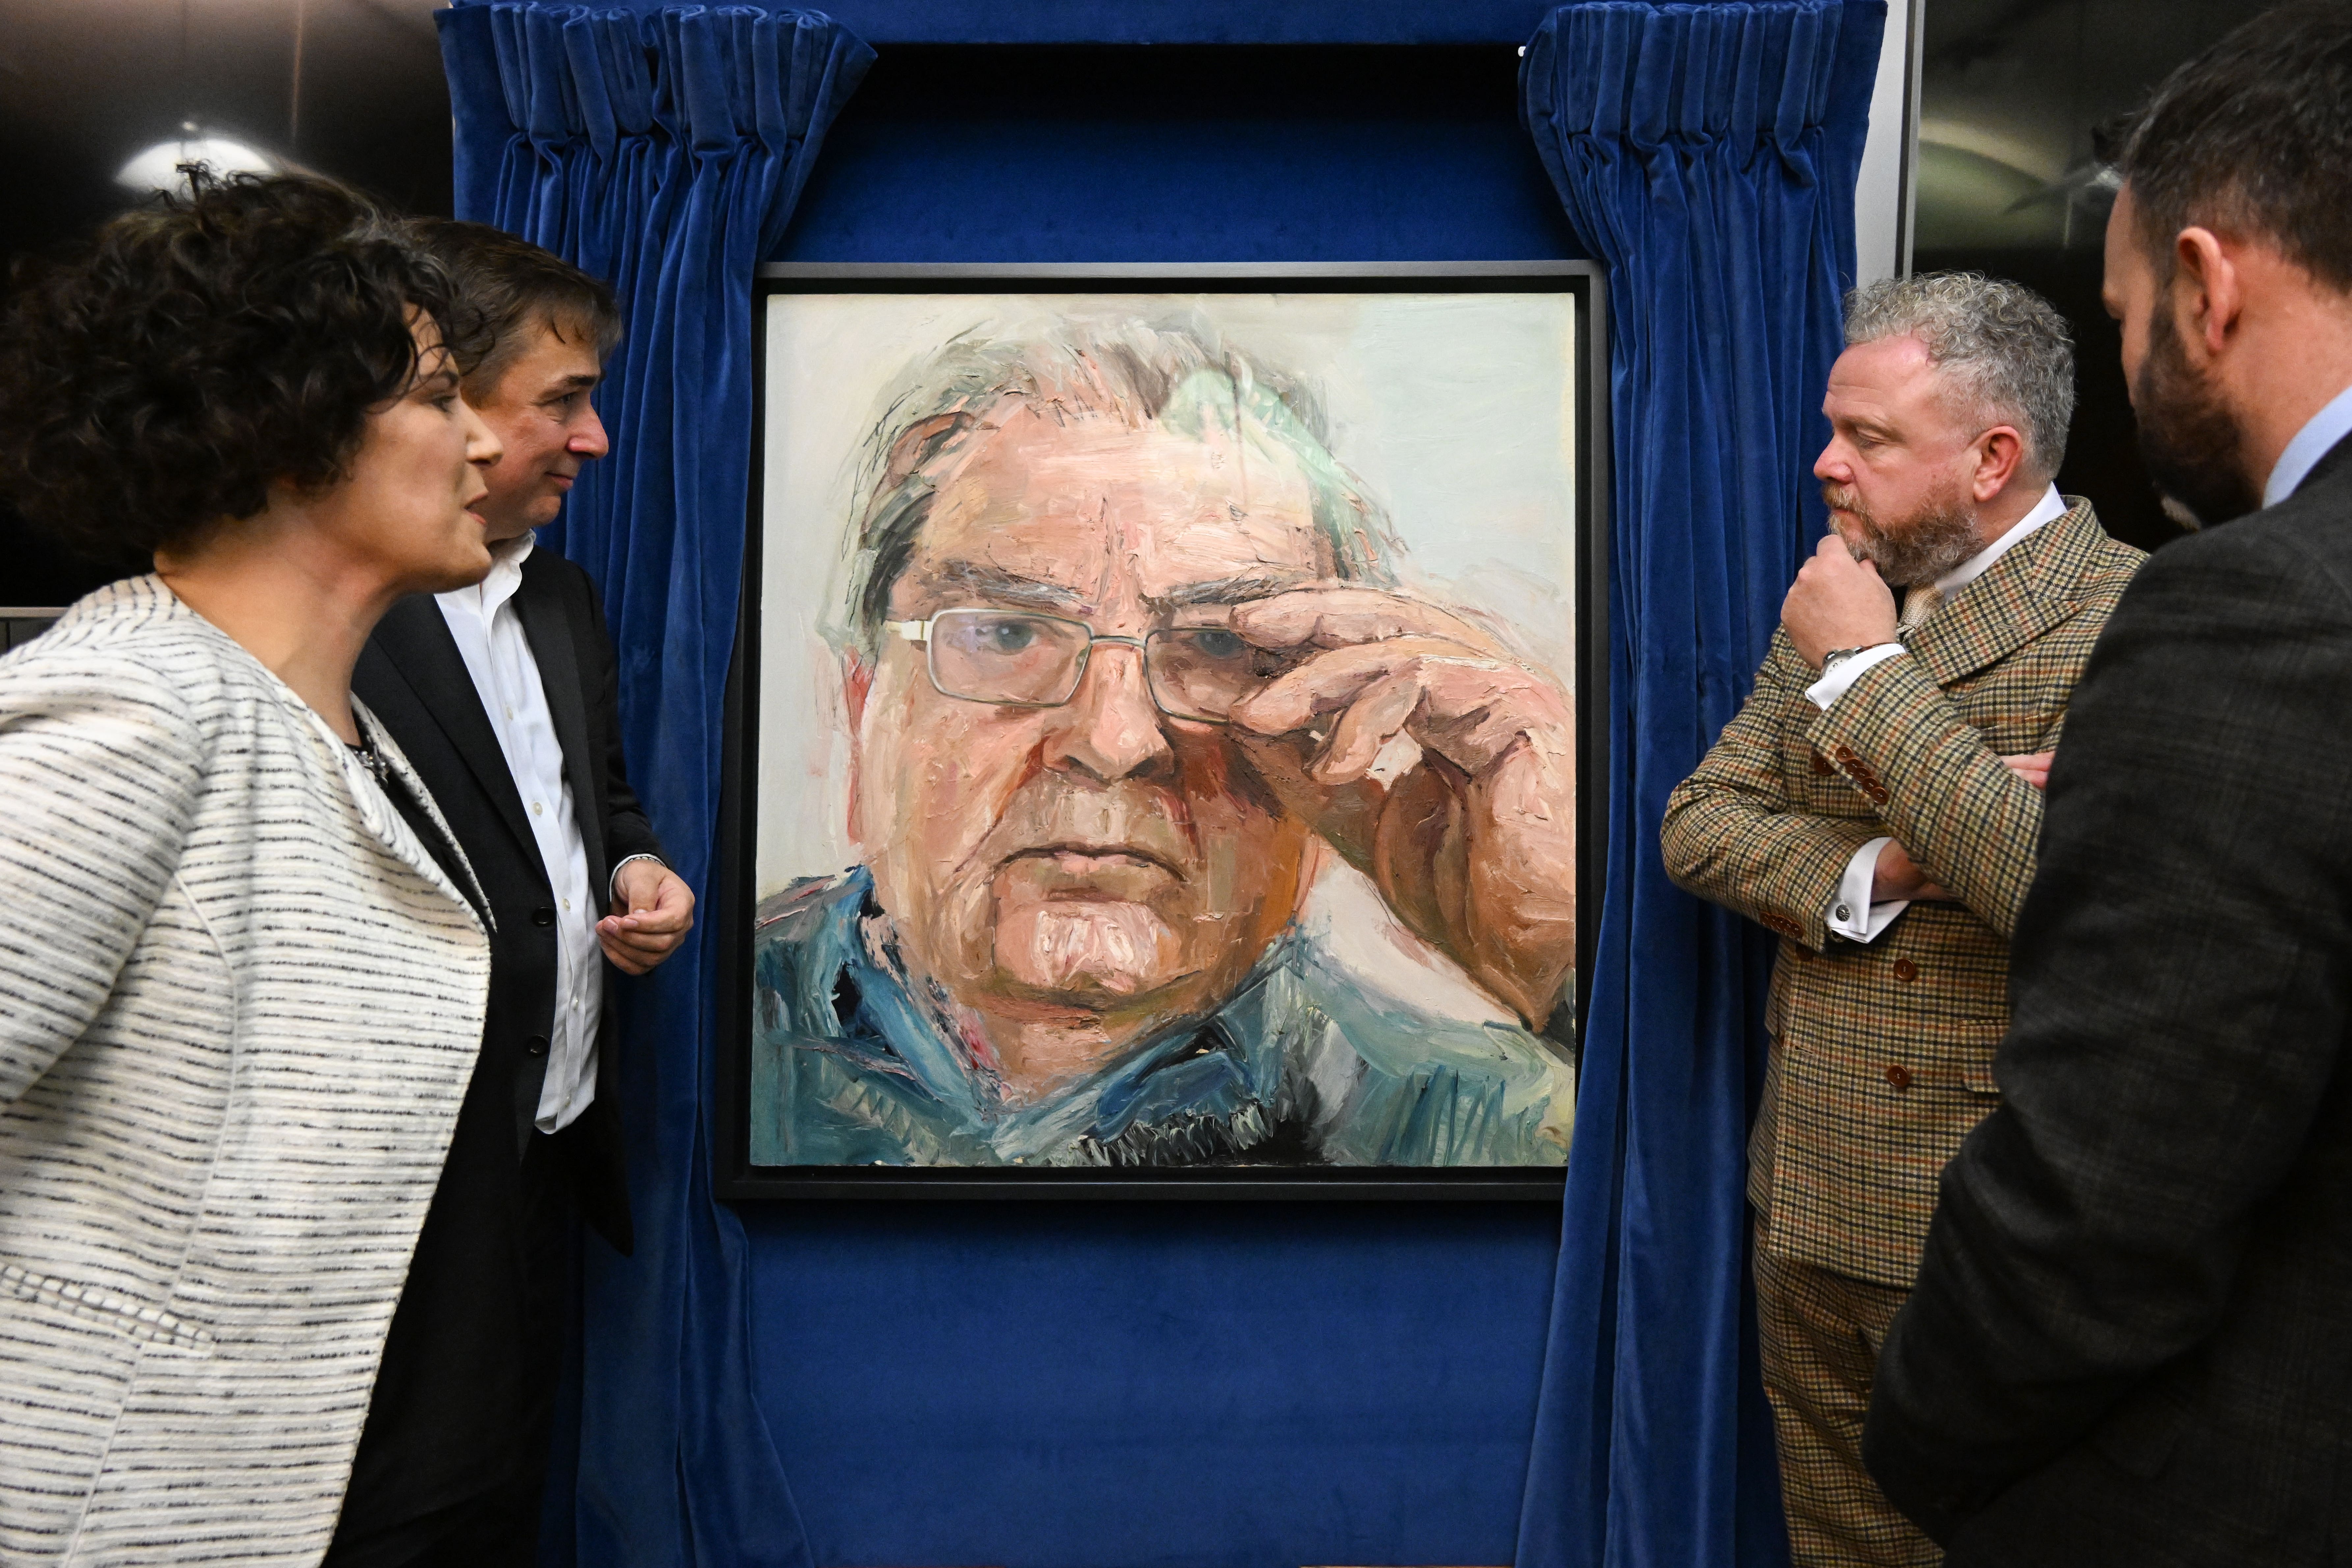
(502,696)
(2128,1343)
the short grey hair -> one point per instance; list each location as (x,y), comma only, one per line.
(2007,352)
(1179,375)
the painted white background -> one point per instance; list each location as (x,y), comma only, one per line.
(1457,411)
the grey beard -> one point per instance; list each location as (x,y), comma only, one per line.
(1923,549)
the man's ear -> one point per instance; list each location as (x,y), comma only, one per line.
(2000,450)
(918,444)
(857,685)
(2207,289)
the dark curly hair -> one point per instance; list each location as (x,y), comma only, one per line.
(161,377)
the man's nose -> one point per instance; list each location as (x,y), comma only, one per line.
(1832,464)
(588,438)
(1109,728)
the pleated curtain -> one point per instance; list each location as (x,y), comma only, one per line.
(1708,155)
(661,151)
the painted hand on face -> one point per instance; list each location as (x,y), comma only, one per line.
(1474,846)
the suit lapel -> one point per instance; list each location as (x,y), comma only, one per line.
(421,651)
(539,601)
(405,777)
(2023,594)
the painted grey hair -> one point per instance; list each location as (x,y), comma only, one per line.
(2006,352)
(1179,375)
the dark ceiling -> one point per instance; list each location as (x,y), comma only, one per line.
(352,88)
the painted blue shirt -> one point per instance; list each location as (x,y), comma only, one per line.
(1302,1065)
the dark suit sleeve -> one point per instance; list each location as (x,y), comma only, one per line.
(2181,989)
(627,831)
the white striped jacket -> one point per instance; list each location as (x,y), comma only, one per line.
(239,1007)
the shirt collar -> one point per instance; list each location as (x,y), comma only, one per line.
(2049,508)
(505,576)
(2311,443)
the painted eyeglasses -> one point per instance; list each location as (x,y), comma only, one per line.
(1013,658)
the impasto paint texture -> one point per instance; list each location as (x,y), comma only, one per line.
(1166,757)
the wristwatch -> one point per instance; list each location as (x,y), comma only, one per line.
(1837,656)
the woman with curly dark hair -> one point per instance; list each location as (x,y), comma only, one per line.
(242,978)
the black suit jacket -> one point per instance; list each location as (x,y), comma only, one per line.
(2131,1338)
(414,678)
(465,1391)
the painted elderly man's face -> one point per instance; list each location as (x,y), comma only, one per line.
(1096,859)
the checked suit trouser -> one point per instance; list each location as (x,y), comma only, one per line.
(1819,1333)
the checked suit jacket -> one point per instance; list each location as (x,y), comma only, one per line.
(1882,1054)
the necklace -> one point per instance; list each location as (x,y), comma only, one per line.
(369,758)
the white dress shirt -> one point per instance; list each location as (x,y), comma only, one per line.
(2311,443)
(506,676)
(1852,914)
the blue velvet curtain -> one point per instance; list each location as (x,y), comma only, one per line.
(662,150)
(1706,153)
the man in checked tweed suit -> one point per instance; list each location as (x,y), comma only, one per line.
(1877,803)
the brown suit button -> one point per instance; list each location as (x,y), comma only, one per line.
(1906,972)
(1900,1077)
(1877,793)
(1822,765)
(1846,754)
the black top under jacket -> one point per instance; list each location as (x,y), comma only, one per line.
(462,1400)
(2131,1339)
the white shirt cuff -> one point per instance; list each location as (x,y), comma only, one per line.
(1832,686)
(613,883)
(1852,915)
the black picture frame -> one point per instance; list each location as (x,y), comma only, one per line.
(733,877)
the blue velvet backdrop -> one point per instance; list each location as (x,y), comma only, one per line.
(1195,1384)
(1708,155)
(1317,22)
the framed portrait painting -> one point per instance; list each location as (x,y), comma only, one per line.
(1164,739)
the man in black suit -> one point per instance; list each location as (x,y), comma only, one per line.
(2131,1338)
(502,694)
